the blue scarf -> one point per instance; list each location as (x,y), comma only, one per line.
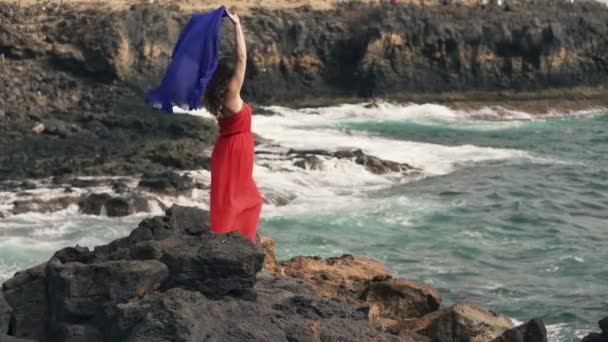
(193,63)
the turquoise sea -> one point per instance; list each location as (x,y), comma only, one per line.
(509,210)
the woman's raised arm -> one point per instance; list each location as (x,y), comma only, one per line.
(233,100)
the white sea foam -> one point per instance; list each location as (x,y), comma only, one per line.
(337,181)
(8,270)
(319,128)
(572,257)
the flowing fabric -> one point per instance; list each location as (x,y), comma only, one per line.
(193,63)
(235,200)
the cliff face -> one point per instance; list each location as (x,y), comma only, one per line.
(72,78)
(384,50)
(355,49)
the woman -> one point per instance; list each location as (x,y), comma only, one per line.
(235,200)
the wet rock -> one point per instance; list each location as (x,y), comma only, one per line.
(259,140)
(98,204)
(532,331)
(168,183)
(118,207)
(309,162)
(84,183)
(313,160)
(119,187)
(42,206)
(277,198)
(28,185)
(94,203)
(380,166)
(603,323)
(5,316)
(460,322)
(599,337)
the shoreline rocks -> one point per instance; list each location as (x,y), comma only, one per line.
(460,322)
(172,278)
(71,96)
(313,160)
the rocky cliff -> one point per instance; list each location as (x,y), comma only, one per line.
(72,77)
(172,279)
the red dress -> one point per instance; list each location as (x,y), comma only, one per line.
(235,200)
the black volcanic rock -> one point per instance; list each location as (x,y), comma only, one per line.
(128,204)
(312,160)
(26,293)
(174,251)
(168,183)
(173,279)
(603,323)
(531,331)
(599,337)
(5,316)
(279,314)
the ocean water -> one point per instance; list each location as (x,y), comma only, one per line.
(509,210)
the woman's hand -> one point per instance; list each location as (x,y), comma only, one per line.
(233,17)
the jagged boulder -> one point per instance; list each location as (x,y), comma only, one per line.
(98,204)
(603,323)
(26,293)
(196,258)
(313,160)
(283,312)
(460,322)
(67,298)
(399,299)
(346,276)
(93,204)
(81,292)
(533,330)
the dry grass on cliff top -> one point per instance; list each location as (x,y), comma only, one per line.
(242,6)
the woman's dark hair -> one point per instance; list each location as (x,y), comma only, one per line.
(217,86)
